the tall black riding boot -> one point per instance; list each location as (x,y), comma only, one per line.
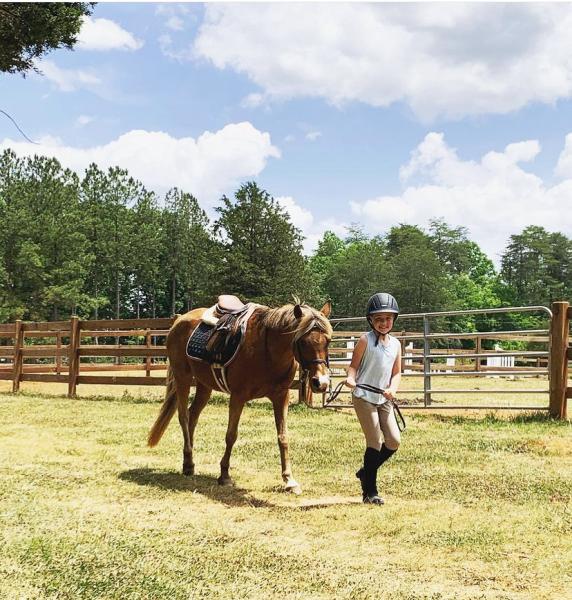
(368,475)
(384,454)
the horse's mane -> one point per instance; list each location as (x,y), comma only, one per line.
(283,319)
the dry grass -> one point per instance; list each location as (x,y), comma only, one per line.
(476,508)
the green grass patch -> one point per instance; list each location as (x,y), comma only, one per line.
(475,507)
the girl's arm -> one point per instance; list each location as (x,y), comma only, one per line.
(356,360)
(395,381)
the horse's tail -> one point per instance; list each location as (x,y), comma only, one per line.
(167,411)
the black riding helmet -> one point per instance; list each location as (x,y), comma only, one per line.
(381,302)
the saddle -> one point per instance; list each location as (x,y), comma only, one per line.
(216,340)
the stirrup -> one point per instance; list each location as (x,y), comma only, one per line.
(375,499)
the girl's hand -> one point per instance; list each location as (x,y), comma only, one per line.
(350,382)
(390,395)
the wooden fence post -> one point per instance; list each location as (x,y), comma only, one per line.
(18,356)
(148,359)
(59,352)
(73,372)
(559,359)
(479,348)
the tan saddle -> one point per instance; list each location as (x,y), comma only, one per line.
(229,304)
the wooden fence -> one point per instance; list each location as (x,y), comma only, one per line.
(75,349)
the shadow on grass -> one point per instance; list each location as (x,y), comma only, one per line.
(231,496)
(206,485)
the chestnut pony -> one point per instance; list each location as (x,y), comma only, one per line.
(275,340)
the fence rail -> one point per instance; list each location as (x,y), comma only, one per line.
(77,349)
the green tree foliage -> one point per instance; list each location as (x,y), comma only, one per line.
(355,272)
(261,250)
(30,29)
(320,263)
(417,276)
(537,267)
(188,252)
(104,246)
(44,254)
(470,276)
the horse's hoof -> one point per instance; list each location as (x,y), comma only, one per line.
(188,471)
(293,487)
(226,481)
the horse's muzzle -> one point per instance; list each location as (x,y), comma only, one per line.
(320,383)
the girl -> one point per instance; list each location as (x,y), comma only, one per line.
(376,361)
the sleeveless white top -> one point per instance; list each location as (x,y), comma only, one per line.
(376,367)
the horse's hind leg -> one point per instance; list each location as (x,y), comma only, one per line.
(183,387)
(234,411)
(202,395)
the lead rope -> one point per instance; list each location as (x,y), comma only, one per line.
(400,420)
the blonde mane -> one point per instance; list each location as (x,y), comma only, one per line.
(283,319)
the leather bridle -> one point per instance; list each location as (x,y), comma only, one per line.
(306,364)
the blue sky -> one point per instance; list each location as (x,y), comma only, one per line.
(346,113)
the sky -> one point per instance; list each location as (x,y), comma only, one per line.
(369,114)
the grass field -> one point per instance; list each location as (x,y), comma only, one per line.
(476,507)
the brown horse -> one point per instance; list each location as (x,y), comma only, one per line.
(275,340)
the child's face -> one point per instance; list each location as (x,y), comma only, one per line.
(383,321)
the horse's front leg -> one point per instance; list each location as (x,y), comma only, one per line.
(234,411)
(280,405)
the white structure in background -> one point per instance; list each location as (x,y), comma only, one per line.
(350,346)
(500,361)
(408,357)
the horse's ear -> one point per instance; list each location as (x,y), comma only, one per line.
(298,311)
(326,310)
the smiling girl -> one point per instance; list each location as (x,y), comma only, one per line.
(376,361)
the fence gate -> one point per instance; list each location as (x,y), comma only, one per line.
(530,374)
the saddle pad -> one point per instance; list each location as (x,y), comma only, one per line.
(197,346)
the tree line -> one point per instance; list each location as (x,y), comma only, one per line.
(104,246)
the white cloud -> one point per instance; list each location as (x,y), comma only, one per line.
(84,120)
(68,80)
(303,219)
(564,165)
(312,136)
(252,101)
(167,47)
(175,23)
(494,197)
(207,166)
(472,58)
(103,34)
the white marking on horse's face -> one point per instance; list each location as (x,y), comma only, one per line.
(324,380)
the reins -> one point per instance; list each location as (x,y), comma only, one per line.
(399,418)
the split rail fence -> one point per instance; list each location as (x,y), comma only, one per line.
(76,350)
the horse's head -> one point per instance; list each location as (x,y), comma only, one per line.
(311,346)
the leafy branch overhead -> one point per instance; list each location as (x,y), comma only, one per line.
(28,30)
